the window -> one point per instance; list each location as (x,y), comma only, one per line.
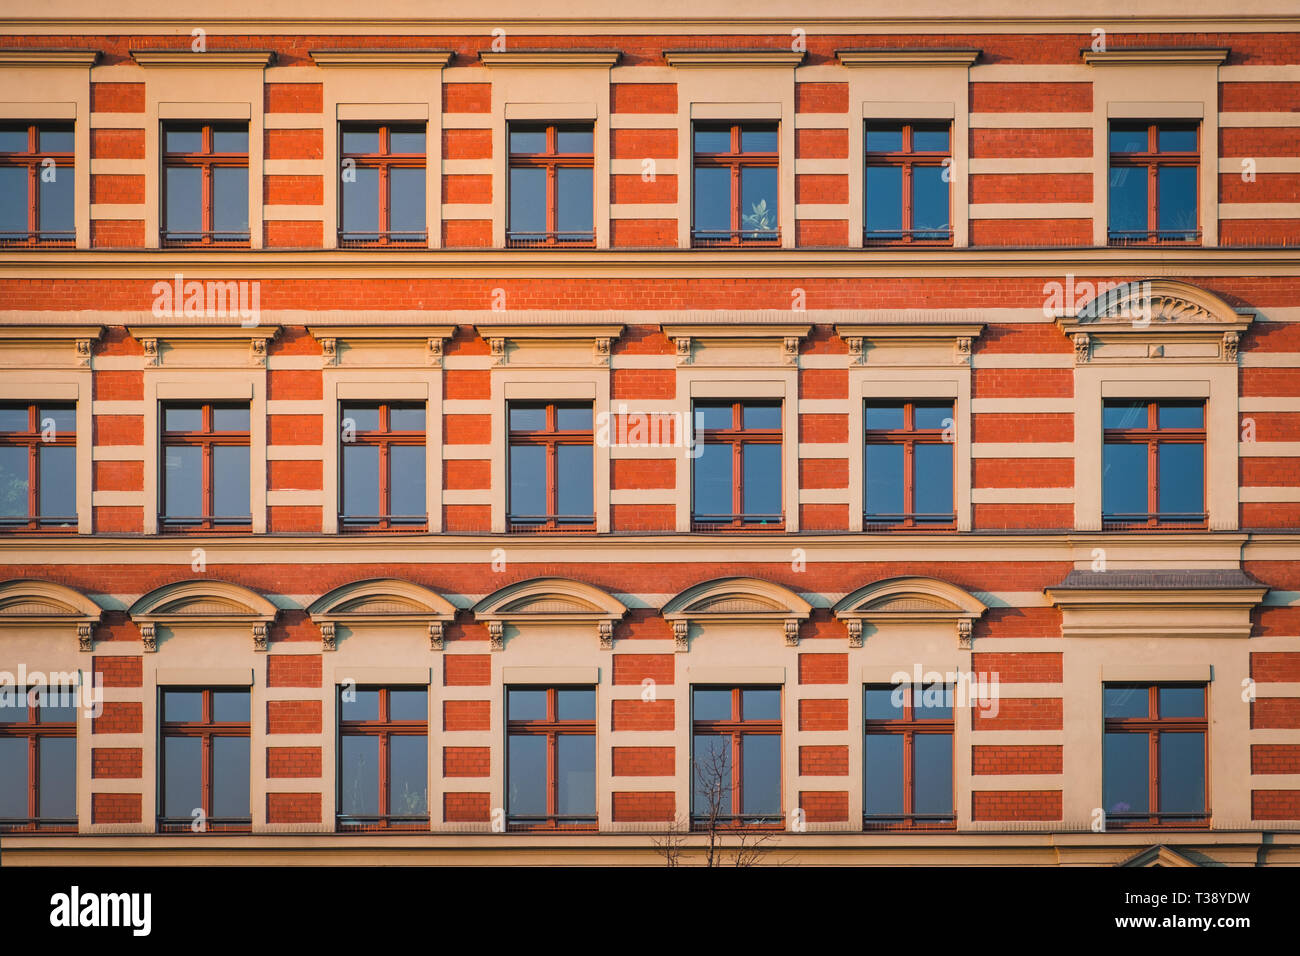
(1153,174)
(383,465)
(205,479)
(1153,770)
(38,759)
(907,178)
(205,185)
(551,757)
(552,471)
(551,186)
(382,200)
(738,472)
(907,757)
(1153,465)
(736,194)
(383,758)
(36,185)
(203,770)
(908,465)
(736,757)
(38,467)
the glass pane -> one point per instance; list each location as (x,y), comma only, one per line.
(527,480)
(884,201)
(1128,202)
(182,777)
(406,141)
(884,417)
(13,418)
(929,139)
(711,703)
(13,140)
(884,470)
(929,203)
(1177,194)
(408,780)
(13,778)
(761,416)
(1182,773)
(230,706)
(361,204)
(762,491)
(713,141)
(13,200)
(1125,415)
(574,141)
(58,796)
(884,703)
(932,772)
(408,418)
(525,704)
(183,141)
(573,201)
(183,482)
(1175,140)
(359,776)
(182,706)
(13,705)
(360,480)
(933,478)
(58,492)
(364,418)
(932,702)
(230,481)
(182,418)
(882,774)
(712,485)
(361,141)
(406,481)
(57,704)
(1125,773)
(230,140)
(1128,139)
(758,192)
(1182,479)
(408,704)
(527,418)
(234,419)
(884,138)
(406,206)
(62,419)
(937,415)
(527,140)
(575,770)
(1125,702)
(760,704)
(55,140)
(713,415)
(13,482)
(184,195)
(1181,701)
(758,140)
(230,200)
(230,770)
(526,771)
(359,704)
(711,776)
(1124,480)
(575,704)
(1173,415)
(712,200)
(761,774)
(56,203)
(528,201)
(573,418)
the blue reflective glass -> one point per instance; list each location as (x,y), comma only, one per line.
(1182,479)
(575,774)
(882,774)
(1182,773)
(1181,701)
(1128,202)
(712,200)
(711,703)
(1176,217)
(712,480)
(884,202)
(932,773)
(1124,479)
(528,480)
(1125,773)
(929,203)
(762,476)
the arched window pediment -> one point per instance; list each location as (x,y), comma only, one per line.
(910,600)
(381,601)
(736,600)
(550,601)
(210,603)
(28,602)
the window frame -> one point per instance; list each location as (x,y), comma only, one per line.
(1153,437)
(736,727)
(909,725)
(738,436)
(552,161)
(736,160)
(1152,159)
(32,730)
(205,729)
(384,728)
(550,438)
(384,438)
(552,728)
(909,436)
(33,441)
(906,159)
(206,439)
(384,161)
(206,160)
(1153,727)
(32,158)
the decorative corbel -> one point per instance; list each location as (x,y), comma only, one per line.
(497,632)
(855,632)
(856,355)
(965,632)
(150,352)
(600,352)
(328,640)
(498,346)
(1230,342)
(329,349)
(1082,348)
(84,347)
(86,637)
(606,635)
(435,636)
(149,636)
(681,631)
(790,350)
(435,352)
(682,344)
(961,350)
(260,632)
(257,351)
(791,633)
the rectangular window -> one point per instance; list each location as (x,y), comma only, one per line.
(551,758)
(382,465)
(1153,465)
(552,468)
(736,757)
(204,484)
(1153,772)
(38,467)
(204,762)
(36,185)
(908,465)
(38,759)
(205,184)
(383,758)
(1153,183)
(907,757)
(737,476)
(908,173)
(551,192)
(382,197)
(736,190)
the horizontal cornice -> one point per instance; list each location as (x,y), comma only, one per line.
(733,58)
(250,59)
(382,58)
(555,58)
(1153,56)
(895,57)
(45,58)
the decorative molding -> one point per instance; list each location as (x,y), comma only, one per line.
(434,345)
(427,340)
(26,59)
(855,631)
(85,637)
(149,637)
(909,600)
(606,631)
(1231,341)
(203,603)
(436,635)
(965,631)
(550,58)
(600,351)
(790,350)
(1082,347)
(328,639)
(550,601)
(1116,608)
(732,58)
(150,346)
(79,339)
(497,346)
(152,338)
(1157,56)
(260,634)
(792,633)
(31,603)
(784,339)
(248,59)
(329,351)
(507,339)
(737,601)
(856,354)
(381,603)
(382,58)
(682,349)
(497,635)
(681,636)
(962,58)
(961,350)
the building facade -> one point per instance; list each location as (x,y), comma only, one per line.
(553,437)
